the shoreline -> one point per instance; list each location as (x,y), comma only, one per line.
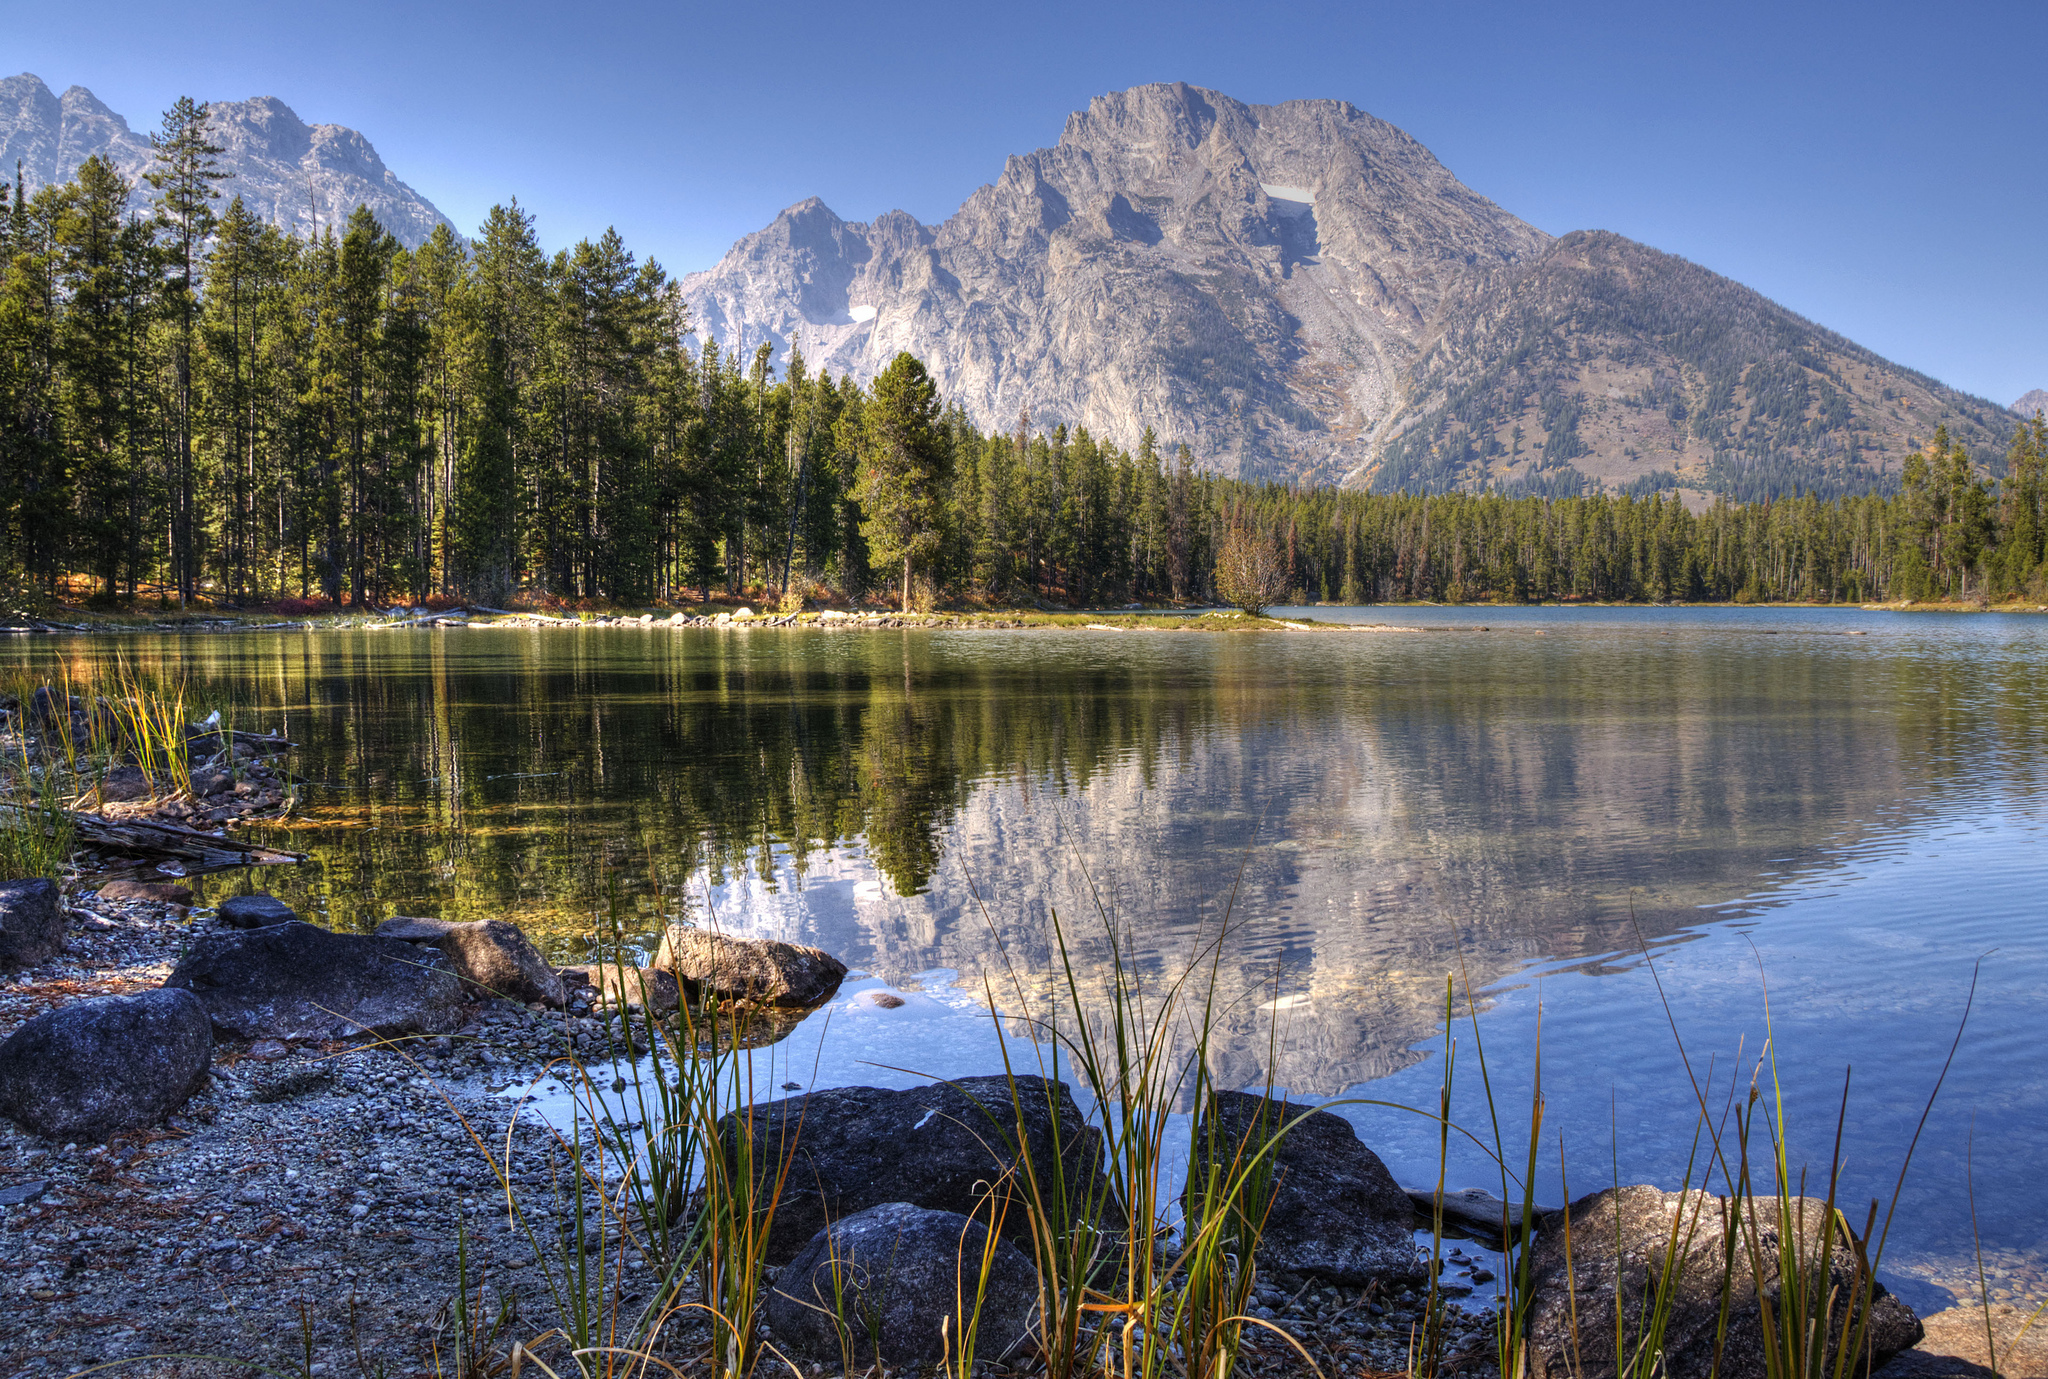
(742,618)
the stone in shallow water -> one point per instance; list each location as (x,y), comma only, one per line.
(254,911)
(163,892)
(765,971)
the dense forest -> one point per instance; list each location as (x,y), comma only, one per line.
(196,405)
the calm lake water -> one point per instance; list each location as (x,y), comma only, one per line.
(1849,806)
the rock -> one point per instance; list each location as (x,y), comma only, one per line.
(295,981)
(1336,1214)
(1474,1210)
(269,1050)
(20,1194)
(611,985)
(162,892)
(891,1275)
(490,955)
(254,911)
(936,1146)
(31,922)
(125,783)
(105,1064)
(1955,1346)
(764,971)
(1619,1233)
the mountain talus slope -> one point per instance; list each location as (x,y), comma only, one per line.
(287,172)
(1303,291)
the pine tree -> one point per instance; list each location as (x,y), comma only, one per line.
(183,176)
(903,478)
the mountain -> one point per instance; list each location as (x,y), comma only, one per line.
(1302,291)
(286,171)
(2034,400)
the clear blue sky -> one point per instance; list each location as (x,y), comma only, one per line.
(1878,167)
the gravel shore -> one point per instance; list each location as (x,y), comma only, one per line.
(301,1211)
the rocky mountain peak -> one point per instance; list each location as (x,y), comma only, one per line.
(2032,401)
(287,172)
(1303,290)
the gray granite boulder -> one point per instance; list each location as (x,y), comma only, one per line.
(763,971)
(940,1147)
(99,1066)
(1336,1213)
(491,956)
(254,911)
(31,923)
(1618,1238)
(881,1283)
(296,981)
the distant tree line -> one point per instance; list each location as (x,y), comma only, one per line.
(195,403)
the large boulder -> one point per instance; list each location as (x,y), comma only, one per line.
(491,956)
(763,971)
(257,910)
(1618,1242)
(881,1283)
(939,1147)
(99,1066)
(31,923)
(611,984)
(1336,1212)
(295,981)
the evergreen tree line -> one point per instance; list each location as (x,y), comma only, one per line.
(193,402)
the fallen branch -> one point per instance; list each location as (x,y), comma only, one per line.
(161,840)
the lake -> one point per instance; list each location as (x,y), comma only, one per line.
(1847,805)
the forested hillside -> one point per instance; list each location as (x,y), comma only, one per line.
(199,406)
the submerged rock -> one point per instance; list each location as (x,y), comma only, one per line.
(490,955)
(1619,1238)
(766,971)
(610,984)
(255,911)
(106,1064)
(938,1147)
(880,1283)
(1336,1212)
(31,923)
(295,981)
(162,892)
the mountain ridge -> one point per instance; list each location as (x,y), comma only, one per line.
(287,172)
(1304,292)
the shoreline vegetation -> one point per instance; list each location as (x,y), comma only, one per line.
(736,614)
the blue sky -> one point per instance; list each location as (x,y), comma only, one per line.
(1877,167)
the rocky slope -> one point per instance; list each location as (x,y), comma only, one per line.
(2032,401)
(286,171)
(1303,291)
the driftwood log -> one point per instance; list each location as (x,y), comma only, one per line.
(165,840)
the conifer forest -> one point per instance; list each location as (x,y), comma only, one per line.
(195,405)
